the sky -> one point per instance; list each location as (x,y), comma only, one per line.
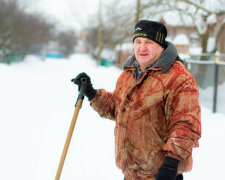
(37,102)
(67,13)
(78,13)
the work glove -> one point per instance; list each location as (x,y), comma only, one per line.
(89,91)
(168,170)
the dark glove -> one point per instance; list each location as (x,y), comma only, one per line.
(168,170)
(89,91)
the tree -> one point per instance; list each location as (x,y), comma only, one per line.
(208,17)
(20,31)
(138,10)
(99,32)
(117,21)
(67,41)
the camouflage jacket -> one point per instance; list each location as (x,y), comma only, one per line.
(157,116)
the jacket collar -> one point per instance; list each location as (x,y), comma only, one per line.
(164,62)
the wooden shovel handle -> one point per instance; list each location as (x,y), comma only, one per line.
(69,136)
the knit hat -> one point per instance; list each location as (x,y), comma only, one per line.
(153,30)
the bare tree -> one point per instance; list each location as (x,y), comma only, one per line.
(117,23)
(67,41)
(138,10)
(119,18)
(20,31)
(99,32)
(208,17)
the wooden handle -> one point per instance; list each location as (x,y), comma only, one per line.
(69,136)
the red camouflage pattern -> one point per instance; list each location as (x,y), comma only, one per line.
(157,116)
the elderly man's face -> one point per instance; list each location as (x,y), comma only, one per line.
(146,51)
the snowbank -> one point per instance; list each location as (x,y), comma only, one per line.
(37,104)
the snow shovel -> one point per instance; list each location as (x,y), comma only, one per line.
(72,125)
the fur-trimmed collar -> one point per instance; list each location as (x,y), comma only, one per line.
(165,61)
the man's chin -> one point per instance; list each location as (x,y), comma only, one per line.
(144,59)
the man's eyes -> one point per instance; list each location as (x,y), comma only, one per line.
(148,42)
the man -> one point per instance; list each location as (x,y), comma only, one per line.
(155,107)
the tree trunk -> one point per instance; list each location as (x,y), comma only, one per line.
(138,10)
(203,68)
(99,34)
(222,42)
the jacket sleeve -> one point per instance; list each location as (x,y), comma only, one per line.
(103,103)
(184,117)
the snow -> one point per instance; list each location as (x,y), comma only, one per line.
(211,44)
(181,39)
(201,25)
(37,104)
(173,18)
(107,53)
(195,50)
(127,46)
(211,19)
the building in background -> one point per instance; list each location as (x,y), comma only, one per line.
(123,51)
(82,45)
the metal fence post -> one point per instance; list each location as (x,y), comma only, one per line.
(216,75)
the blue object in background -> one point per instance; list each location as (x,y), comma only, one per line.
(54,55)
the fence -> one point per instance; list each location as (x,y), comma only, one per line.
(210,76)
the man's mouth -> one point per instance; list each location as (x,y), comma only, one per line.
(143,54)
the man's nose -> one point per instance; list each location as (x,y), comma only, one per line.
(143,46)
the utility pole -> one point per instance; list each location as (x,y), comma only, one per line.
(138,11)
(99,33)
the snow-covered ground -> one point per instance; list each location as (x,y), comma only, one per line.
(36,108)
